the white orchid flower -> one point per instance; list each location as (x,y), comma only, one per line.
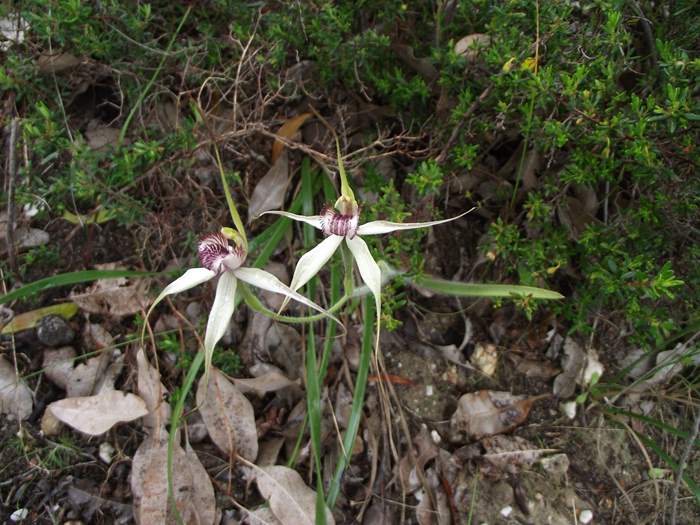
(220,259)
(343,223)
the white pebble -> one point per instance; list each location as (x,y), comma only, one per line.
(569,409)
(428,390)
(585,517)
(436,437)
(19,515)
(106,452)
(506,511)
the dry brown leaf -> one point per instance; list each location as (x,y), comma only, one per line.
(261,385)
(77,381)
(15,396)
(572,363)
(470,45)
(152,392)
(488,412)
(95,415)
(228,415)
(194,493)
(270,191)
(27,320)
(113,297)
(262,516)
(287,131)
(269,451)
(423,66)
(291,501)
(56,63)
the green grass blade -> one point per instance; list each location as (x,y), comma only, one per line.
(482,290)
(65,279)
(694,488)
(358,400)
(653,422)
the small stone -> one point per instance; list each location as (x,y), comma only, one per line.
(435,437)
(485,358)
(50,425)
(106,452)
(556,465)
(53,330)
(428,390)
(569,409)
(506,511)
(586,516)
(19,515)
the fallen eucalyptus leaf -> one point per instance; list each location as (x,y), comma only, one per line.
(77,381)
(29,320)
(270,191)
(113,297)
(287,131)
(95,415)
(228,415)
(508,454)
(572,363)
(56,63)
(488,412)
(152,392)
(261,385)
(291,501)
(15,396)
(194,493)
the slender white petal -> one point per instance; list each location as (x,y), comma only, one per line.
(312,261)
(313,220)
(369,270)
(189,279)
(220,315)
(266,281)
(379,227)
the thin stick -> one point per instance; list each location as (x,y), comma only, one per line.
(681,466)
(11,176)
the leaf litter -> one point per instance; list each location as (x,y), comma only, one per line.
(15,396)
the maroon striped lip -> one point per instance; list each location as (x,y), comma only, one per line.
(335,223)
(217,255)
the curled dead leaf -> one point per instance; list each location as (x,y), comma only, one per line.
(95,415)
(287,131)
(228,415)
(261,385)
(291,501)
(113,297)
(152,392)
(15,397)
(488,412)
(270,191)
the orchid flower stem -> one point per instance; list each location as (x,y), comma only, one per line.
(229,199)
(357,402)
(256,304)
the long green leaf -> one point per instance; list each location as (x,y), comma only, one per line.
(482,290)
(358,400)
(65,279)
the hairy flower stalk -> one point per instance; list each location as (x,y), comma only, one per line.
(224,260)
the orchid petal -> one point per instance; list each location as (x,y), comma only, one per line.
(311,263)
(220,315)
(190,279)
(313,220)
(369,270)
(380,227)
(266,281)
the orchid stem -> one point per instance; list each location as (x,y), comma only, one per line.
(229,199)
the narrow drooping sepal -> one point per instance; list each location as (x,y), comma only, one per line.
(220,315)
(313,220)
(369,269)
(266,281)
(380,227)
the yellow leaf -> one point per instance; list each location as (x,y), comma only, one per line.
(29,320)
(98,217)
(508,65)
(287,130)
(529,64)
